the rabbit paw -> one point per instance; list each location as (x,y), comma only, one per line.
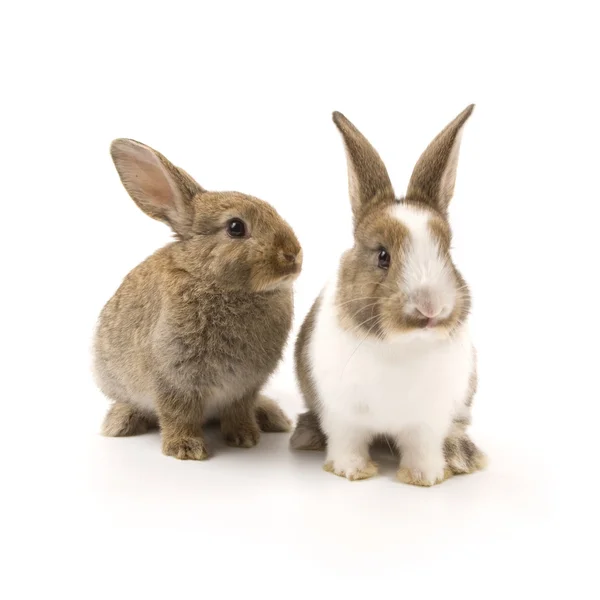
(245,436)
(353,468)
(425,478)
(185,448)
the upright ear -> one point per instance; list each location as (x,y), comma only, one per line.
(368,179)
(159,188)
(434,175)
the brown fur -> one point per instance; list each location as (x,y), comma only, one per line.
(462,455)
(368,180)
(432,180)
(308,434)
(270,417)
(303,375)
(195,330)
(124,419)
(370,299)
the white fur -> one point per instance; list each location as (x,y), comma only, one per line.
(426,275)
(409,388)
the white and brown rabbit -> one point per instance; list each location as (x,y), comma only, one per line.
(385,349)
(194,332)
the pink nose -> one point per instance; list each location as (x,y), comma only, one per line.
(427,303)
(428,310)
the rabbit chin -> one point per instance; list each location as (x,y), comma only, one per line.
(279,283)
(439,332)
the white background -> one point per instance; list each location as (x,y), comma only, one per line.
(240,95)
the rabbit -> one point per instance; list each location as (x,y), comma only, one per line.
(194,331)
(384,352)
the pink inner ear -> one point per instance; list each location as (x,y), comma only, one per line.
(148,178)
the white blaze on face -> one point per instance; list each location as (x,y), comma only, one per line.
(427,278)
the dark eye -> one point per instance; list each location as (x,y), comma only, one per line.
(236,228)
(384,259)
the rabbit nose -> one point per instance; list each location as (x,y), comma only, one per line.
(291,258)
(427,304)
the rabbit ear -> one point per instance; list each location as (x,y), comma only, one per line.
(368,179)
(159,188)
(434,175)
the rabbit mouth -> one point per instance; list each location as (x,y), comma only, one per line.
(288,270)
(283,280)
(293,270)
(399,323)
(289,277)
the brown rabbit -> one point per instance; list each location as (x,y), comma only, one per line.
(194,331)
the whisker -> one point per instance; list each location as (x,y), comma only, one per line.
(385,286)
(363,308)
(387,441)
(357,327)
(355,349)
(358,299)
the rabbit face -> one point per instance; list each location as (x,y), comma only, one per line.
(399,276)
(243,242)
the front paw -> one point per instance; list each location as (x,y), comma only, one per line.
(353,468)
(423,477)
(185,448)
(245,436)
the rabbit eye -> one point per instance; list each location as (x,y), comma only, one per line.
(236,228)
(384,259)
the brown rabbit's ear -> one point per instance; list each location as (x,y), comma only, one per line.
(434,175)
(368,179)
(159,188)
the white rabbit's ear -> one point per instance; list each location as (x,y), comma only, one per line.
(159,188)
(368,179)
(434,175)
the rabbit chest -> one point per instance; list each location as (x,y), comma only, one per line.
(388,386)
(223,345)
